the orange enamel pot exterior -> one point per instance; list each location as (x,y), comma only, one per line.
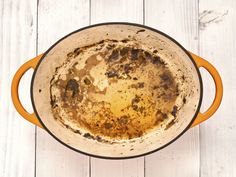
(218,89)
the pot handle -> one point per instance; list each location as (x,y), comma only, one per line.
(31,117)
(218,89)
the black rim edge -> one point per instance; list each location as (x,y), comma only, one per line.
(127,157)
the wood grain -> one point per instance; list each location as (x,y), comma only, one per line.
(205,26)
(217,45)
(179,19)
(17,44)
(105,11)
(116,11)
(56,19)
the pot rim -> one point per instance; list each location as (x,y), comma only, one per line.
(118,23)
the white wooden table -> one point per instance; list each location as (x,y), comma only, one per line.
(206,27)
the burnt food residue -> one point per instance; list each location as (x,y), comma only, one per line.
(113,90)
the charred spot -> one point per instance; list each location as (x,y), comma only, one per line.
(160,116)
(70,54)
(148,55)
(114,40)
(110,46)
(88,135)
(184,100)
(127,68)
(98,138)
(155,51)
(135,107)
(140,133)
(77,131)
(114,55)
(87,81)
(72,88)
(140,84)
(134,54)
(53,101)
(160,95)
(140,31)
(76,63)
(100,42)
(170,124)
(174,111)
(157,60)
(136,99)
(165,77)
(40,90)
(123,120)
(125,40)
(107,125)
(155,87)
(142,59)
(111,73)
(76,52)
(124,51)
(141,109)
(134,102)
(131,149)
(165,86)
(135,78)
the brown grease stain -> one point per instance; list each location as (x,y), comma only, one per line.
(132,102)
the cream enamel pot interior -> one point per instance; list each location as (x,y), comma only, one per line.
(183,64)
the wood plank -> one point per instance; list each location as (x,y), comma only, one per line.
(17,45)
(179,19)
(57,18)
(117,10)
(217,44)
(117,168)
